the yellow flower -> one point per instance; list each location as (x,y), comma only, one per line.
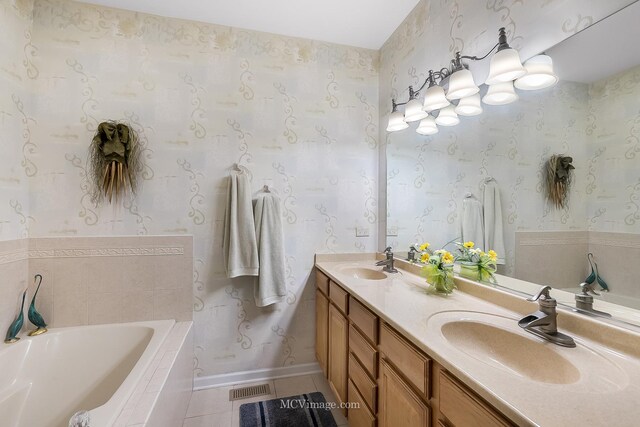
(424,246)
(447,258)
(425,257)
(469,244)
(493,255)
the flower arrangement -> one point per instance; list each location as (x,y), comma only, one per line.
(476,264)
(438,268)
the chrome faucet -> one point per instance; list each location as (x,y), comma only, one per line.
(543,323)
(388,262)
(584,301)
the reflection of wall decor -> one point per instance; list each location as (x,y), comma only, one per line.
(558,174)
(114,161)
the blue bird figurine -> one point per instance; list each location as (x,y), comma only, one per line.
(34,316)
(14,329)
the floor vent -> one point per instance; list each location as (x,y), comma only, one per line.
(247,392)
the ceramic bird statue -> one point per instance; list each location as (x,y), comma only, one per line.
(34,316)
(14,329)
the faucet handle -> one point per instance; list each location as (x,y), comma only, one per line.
(544,291)
(587,289)
(387,250)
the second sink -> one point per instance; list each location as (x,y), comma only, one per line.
(363,273)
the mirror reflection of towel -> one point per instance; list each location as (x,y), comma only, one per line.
(239,242)
(493,232)
(472,221)
(270,286)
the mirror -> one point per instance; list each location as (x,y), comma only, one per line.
(592,115)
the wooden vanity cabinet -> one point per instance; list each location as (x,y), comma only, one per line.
(322,330)
(338,339)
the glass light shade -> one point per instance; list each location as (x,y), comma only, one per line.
(413,111)
(469,106)
(505,67)
(500,94)
(427,126)
(396,122)
(447,117)
(434,98)
(539,74)
(461,84)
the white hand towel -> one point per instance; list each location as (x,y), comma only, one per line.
(239,243)
(493,232)
(471,221)
(270,286)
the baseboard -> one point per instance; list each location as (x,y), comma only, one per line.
(201,383)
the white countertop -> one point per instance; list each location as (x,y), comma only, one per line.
(604,394)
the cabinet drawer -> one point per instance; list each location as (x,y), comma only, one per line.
(413,364)
(339,297)
(399,405)
(322,282)
(364,352)
(462,408)
(359,415)
(365,385)
(364,319)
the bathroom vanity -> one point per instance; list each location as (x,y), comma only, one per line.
(408,358)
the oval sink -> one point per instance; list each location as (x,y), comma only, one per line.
(510,351)
(482,342)
(364,273)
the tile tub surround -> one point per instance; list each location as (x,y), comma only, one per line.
(93,280)
(402,302)
(162,396)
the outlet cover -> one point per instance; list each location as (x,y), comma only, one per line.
(362,231)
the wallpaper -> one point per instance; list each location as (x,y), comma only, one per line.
(300,116)
(16,120)
(428,176)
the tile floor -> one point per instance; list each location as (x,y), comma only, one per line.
(212,408)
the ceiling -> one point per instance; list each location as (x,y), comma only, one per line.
(602,50)
(360,23)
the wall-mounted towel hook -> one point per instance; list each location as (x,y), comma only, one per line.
(265,188)
(239,168)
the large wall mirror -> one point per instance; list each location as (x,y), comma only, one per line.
(592,115)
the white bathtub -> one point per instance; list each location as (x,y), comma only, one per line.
(45,379)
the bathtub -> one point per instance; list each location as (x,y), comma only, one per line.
(45,379)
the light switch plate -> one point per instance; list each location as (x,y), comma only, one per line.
(362,231)
(392,231)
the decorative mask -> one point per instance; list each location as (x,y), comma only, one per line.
(113,161)
(558,176)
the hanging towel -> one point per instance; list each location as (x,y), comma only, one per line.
(493,232)
(239,243)
(471,221)
(270,286)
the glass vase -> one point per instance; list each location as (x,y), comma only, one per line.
(440,279)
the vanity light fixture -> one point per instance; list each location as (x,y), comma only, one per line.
(500,94)
(539,75)
(413,110)
(396,120)
(469,106)
(505,67)
(427,126)
(447,117)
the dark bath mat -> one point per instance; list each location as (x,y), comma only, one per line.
(295,411)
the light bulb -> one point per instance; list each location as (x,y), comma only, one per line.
(469,106)
(539,74)
(396,122)
(427,126)
(447,117)
(413,111)
(505,66)
(461,84)
(500,94)
(434,98)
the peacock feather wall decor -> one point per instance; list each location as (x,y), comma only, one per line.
(558,176)
(114,162)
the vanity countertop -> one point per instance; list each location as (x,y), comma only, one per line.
(604,391)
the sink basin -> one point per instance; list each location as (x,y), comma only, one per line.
(364,273)
(510,351)
(482,342)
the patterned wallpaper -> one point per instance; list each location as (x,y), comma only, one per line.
(300,115)
(427,177)
(16,120)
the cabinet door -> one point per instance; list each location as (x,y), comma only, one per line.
(322,329)
(338,352)
(398,404)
